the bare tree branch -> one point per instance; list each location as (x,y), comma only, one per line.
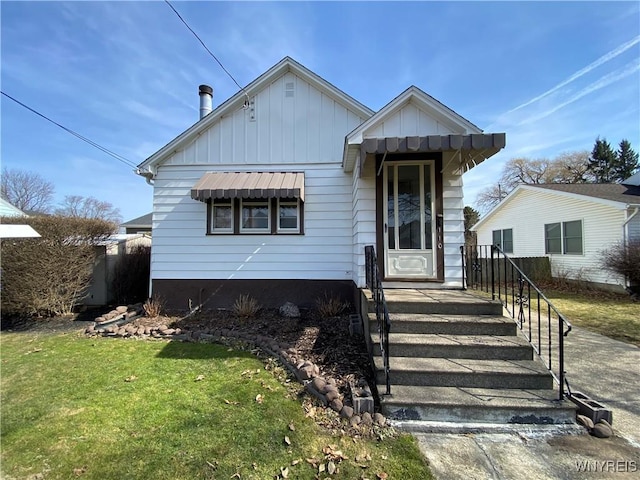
(27,191)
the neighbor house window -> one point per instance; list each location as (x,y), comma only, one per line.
(221,216)
(288,215)
(563,237)
(504,239)
(255,216)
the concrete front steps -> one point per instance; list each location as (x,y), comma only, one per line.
(455,358)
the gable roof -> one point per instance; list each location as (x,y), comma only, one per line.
(468,137)
(287,64)
(423,101)
(142,221)
(633,179)
(612,194)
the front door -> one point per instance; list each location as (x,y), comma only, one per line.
(409,223)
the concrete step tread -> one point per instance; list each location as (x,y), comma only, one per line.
(463,366)
(453,340)
(443,318)
(474,397)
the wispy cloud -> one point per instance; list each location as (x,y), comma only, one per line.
(600,61)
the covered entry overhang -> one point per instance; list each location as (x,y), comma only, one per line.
(468,150)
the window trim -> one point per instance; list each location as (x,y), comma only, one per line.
(273,217)
(211,207)
(288,202)
(502,242)
(563,238)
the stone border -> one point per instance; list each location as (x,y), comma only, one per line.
(358,410)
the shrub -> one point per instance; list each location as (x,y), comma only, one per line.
(50,275)
(130,281)
(153,306)
(624,259)
(246,307)
(330,306)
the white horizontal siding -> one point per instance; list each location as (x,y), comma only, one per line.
(633,227)
(182,250)
(527,213)
(307,127)
(408,121)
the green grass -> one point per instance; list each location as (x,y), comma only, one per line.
(614,316)
(99,408)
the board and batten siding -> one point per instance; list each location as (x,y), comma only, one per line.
(528,212)
(183,250)
(293,123)
(407,122)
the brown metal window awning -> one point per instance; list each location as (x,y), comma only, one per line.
(249,185)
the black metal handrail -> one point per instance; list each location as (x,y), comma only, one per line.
(487,268)
(374,283)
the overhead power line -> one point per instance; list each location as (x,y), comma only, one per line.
(207,49)
(118,157)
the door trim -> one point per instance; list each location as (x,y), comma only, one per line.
(380,205)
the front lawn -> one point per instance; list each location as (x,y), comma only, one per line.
(100,408)
(612,315)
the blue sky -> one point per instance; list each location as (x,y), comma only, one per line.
(552,75)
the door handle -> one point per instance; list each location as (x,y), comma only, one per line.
(385,228)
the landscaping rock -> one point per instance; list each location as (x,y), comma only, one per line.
(355,420)
(336,405)
(121,309)
(332,395)
(379,419)
(585,421)
(319,383)
(367,419)
(346,412)
(602,430)
(290,310)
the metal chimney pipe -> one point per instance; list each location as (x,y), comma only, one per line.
(206,100)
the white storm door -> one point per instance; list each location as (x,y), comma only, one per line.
(409,220)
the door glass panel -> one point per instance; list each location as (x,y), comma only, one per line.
(391,220)
(409,222)
(427,208)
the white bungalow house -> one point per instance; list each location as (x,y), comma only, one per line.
(278,190)
(569,223)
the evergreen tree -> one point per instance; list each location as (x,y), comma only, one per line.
(627,162)
(603,161)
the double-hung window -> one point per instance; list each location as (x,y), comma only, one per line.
(504,239)
(563,238)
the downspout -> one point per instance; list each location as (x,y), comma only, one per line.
(624,225)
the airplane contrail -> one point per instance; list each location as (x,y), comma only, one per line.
(603,59)
(608,79)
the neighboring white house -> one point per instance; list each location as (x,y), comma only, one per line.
(570,223)
(278,190)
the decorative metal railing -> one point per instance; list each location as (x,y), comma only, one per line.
(487,268)
(374,283)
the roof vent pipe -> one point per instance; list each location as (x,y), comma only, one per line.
(206,99)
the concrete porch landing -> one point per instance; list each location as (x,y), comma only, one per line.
(425,300)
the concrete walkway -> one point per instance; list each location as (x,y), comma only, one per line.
(607,371)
